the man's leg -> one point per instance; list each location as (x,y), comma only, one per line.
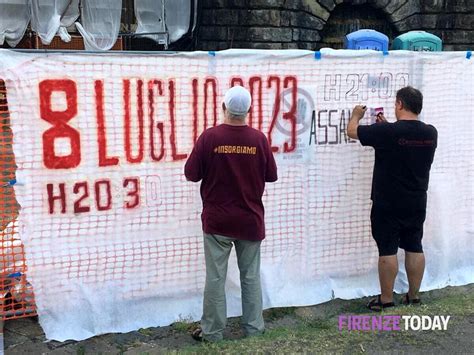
(414,257)
(216,251)
(248,257)
(415,267)
(388,269)
(385,233)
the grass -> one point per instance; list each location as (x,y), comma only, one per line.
(121,349)
(146,331)
(276,313)
(314,330)
(184,324)
(318,333)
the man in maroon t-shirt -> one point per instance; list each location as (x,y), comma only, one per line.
(233,161)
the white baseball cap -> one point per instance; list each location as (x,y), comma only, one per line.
(237,100)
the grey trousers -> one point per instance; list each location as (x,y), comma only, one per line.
(216,251)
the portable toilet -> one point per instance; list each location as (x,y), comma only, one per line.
(418,41)
(366,39)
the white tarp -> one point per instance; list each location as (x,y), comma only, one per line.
(154,16)
(51,17)
(100,23)
(68,19)
(178,18)
(150,17)
(14,19)
(111,229)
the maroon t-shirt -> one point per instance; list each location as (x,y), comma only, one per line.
(234,162)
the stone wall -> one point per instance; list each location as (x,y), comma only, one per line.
(276,24)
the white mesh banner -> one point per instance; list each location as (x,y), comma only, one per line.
(112,230)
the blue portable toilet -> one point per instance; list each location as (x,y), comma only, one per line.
(418,41)
(366,39)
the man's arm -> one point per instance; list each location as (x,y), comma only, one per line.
(271,174)
(357,113)
(193,169)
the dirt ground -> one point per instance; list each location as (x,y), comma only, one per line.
(289,330)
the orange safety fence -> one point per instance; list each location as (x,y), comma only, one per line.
(16,294)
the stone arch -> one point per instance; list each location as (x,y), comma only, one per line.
(403,14)
(347,18)
(387,16)
(277,24)
(310,18)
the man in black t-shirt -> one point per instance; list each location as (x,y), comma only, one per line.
(404,151)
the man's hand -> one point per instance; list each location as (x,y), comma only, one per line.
(380,118)
(358,112)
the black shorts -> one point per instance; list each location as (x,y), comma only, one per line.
(393,229)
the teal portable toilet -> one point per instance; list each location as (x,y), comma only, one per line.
(366,39)
(418,41)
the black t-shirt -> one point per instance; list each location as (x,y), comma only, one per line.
(404,151)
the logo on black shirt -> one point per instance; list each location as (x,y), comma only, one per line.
(416,142)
